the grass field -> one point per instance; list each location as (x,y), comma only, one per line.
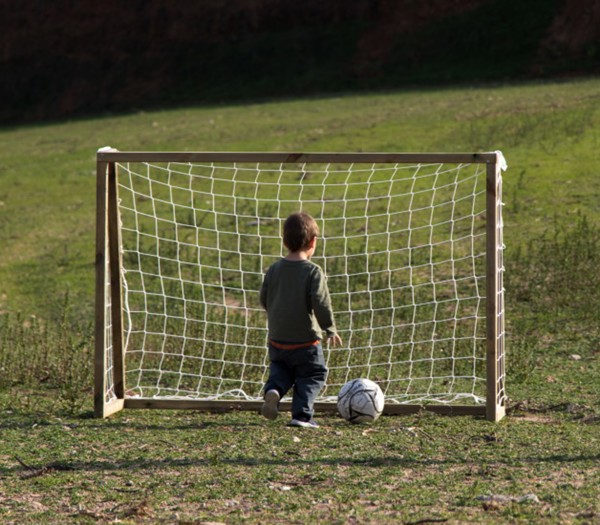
(540,464)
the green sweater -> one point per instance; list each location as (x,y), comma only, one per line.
(296,298)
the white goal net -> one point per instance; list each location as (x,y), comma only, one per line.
(405,245)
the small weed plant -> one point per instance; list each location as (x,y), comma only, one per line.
(56,357)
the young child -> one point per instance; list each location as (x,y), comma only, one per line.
(295,295)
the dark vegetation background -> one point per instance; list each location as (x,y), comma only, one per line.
(64,58)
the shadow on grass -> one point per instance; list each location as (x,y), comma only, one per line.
(28,471)
(28,422)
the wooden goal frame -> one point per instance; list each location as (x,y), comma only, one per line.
(108,270)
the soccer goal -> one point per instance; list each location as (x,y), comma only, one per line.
(411,245)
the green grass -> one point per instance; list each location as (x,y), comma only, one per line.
(59,465)
(548,133)
(236,468)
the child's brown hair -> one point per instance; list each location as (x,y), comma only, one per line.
(299,229)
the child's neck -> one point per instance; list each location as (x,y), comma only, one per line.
(300,255)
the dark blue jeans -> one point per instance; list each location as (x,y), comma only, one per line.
(303,369)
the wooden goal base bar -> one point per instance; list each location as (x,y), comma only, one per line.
(328,408)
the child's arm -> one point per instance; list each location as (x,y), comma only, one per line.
(321,304)
(263,291)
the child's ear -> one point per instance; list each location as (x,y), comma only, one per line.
(312,243)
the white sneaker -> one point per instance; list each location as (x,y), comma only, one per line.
(270,408)
(305,424)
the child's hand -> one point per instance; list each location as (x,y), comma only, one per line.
(334,340)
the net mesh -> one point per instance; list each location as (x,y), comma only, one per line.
(403,248)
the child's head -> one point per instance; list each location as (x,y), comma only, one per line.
(299,230)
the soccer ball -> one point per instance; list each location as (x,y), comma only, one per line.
(360,401)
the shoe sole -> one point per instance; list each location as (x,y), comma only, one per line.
(269,408)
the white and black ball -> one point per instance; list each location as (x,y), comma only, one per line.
(360,401)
